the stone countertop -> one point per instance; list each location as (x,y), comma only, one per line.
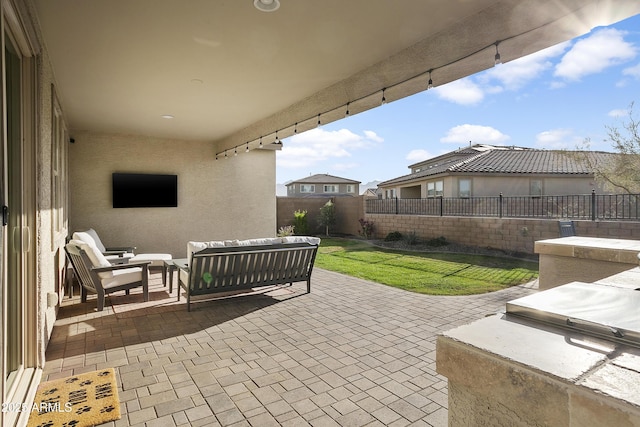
(594,248)
(591,364)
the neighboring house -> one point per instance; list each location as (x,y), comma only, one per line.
(486,170)
(372,193)
(323,185)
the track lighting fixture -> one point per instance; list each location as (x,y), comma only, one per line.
(347,106)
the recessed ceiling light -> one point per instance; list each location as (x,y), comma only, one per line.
(266,5)
(167,116)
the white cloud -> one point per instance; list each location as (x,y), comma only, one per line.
(515,74)
(632,71)
(618,113)
(557,139)
(463,91)
(477,134)
(593,54)
(316,145)
(416,156)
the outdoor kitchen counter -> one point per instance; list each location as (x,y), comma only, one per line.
(505,370)
(585,259)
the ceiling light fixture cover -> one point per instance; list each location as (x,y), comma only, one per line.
(266,5)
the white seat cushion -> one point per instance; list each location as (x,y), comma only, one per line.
(156,259)
(122,277)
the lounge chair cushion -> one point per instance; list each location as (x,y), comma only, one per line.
(122,277)
(90,236)
(96,257)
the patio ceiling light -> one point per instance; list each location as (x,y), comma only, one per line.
(266,5)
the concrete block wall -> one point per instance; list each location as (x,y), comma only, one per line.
(509,234)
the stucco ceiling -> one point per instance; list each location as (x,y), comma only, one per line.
(229,73)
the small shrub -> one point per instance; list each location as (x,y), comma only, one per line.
(437,242)
(366,228)
(300,225)
(394,236)
(412,238)
(287,230)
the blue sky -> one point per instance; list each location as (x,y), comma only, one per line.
(553,99)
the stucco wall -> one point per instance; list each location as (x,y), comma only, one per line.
(217,199)
(50,256)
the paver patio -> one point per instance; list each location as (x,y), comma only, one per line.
(351,353)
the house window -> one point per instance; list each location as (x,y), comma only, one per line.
(390,194)
(435,189)
(330,188)
(464,188)
(535,187)
(351,188)
(307,188)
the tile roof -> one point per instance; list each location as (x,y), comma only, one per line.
(323,178)
(512,162)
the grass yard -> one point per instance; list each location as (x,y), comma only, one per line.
(424,272)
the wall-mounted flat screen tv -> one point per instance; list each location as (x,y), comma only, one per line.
(143,190)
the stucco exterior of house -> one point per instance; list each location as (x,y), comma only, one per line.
(486,170)
(323,185)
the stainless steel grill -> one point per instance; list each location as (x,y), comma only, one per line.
(605,311)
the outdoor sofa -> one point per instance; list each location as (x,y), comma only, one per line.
(233,265)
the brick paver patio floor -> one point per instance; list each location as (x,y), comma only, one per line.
(351,353)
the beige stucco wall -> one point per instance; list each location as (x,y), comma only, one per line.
(49,248)
(217,199)
(348,211)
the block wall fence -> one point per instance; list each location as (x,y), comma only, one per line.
(507,234)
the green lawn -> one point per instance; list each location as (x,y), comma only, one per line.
(426,273)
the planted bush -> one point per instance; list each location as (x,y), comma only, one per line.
(412,238)
(394,236)
(366,228)
(300,225)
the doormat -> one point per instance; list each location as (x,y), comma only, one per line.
(81,400)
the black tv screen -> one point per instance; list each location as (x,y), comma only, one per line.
(138,190)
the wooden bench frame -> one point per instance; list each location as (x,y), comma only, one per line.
(215,270)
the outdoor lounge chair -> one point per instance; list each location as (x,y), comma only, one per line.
(114,254)
(97,275)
